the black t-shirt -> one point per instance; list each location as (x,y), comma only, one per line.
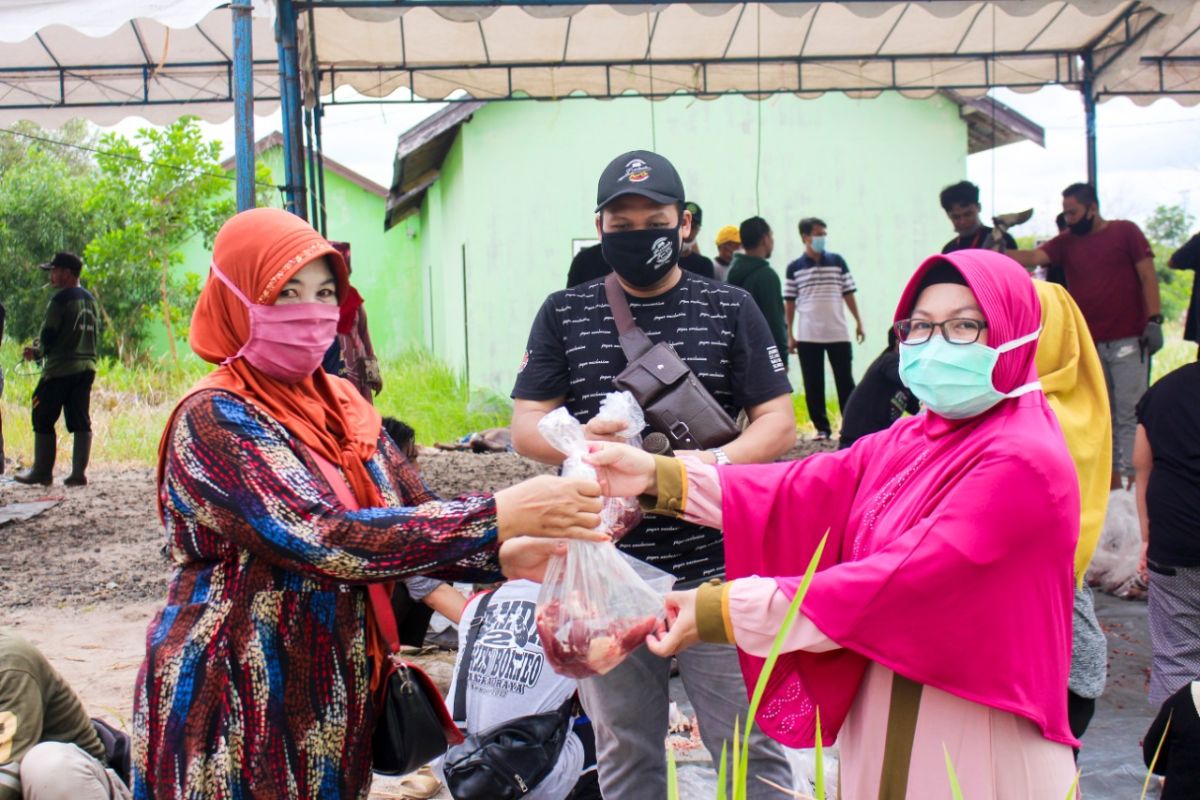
(717,329)
(972,241)
(1188,257)
(697,265)
(878,400)
(1170,413)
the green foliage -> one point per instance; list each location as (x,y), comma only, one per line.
(44,187)
(1167,229)
(154,194)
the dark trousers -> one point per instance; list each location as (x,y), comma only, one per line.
(71,394)
(1079,714)
(812,371)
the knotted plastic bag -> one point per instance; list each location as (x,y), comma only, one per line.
(593,609)
(618,515)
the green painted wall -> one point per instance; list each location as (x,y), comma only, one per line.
(520,182)
(387,266)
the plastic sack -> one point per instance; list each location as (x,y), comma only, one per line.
(594,610)
(1115,562)
(618,515)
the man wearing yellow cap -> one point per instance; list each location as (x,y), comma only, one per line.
(729,241)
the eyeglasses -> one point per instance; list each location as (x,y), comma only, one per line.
(954,331)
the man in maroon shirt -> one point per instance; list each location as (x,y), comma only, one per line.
(1110,273)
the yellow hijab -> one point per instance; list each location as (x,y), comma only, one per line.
(1073,380)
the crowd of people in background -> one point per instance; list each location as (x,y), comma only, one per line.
(283,493)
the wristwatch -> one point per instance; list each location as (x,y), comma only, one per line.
(1157,319)
(719,454)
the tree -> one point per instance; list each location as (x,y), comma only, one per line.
(46,178)
(1167,229)
(153,195)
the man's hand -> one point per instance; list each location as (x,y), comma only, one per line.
(859,333)
(526,557)
(1152,337)
(552,507)
(791,343)
(623,471)
(680,631)
(605,430)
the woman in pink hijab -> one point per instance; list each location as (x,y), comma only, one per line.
(940,615)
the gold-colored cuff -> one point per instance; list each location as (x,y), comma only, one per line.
(712,613)
(671,500)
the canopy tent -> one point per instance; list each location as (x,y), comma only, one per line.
(548,50)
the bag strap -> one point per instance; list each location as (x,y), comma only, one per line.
(460,685)
(379,594)
(634,340)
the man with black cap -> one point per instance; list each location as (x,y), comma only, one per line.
(68,346)
(573,355)
(689,254)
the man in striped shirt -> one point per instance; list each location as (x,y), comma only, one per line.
(817,285)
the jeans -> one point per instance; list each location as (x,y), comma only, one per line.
(812,371)
(1127,375)
(628,708)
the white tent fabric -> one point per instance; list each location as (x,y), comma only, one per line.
(602,50)
(158,59)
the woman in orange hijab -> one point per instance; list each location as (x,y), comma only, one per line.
(281,499)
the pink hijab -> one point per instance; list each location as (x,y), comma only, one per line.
(950,547)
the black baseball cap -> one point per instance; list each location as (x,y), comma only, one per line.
(696,212)
(639,172)
(66,261)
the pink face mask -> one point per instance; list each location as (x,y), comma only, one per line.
(286,342)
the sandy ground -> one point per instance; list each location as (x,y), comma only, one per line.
(83,580)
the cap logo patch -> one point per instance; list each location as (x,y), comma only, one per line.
(636,171)
(662,253)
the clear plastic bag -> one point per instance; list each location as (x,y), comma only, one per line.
(618,515)
(594,610)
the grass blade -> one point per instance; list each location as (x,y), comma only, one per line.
(1073,792)
(672,778)
(739,783)
(723,773)
(819,779)
(784,629)
(955,789)
(1154,761)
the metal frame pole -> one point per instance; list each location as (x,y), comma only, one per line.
(1089,113)
(289,90)
(243,103)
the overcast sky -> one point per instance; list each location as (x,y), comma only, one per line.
(1148,156)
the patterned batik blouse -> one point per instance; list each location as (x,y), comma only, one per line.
(256,678)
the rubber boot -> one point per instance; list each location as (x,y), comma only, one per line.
(42,471)
(80,454)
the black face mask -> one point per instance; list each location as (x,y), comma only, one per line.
(1083,227)
(641,258)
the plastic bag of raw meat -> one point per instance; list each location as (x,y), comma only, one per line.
(593,610)
(619,515)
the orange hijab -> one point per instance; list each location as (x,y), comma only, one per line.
(260,250)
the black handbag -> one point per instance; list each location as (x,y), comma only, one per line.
(413,726)
(506,761)
(674,400)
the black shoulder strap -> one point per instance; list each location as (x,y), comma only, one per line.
(634,340)
(460,685)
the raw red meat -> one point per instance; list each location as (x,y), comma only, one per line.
(580,645)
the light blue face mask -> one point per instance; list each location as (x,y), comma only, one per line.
(818,244)
(955,380)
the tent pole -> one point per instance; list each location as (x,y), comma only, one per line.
(318,112)
(243,103)
(1089,113)
(309,148)
(289,94)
